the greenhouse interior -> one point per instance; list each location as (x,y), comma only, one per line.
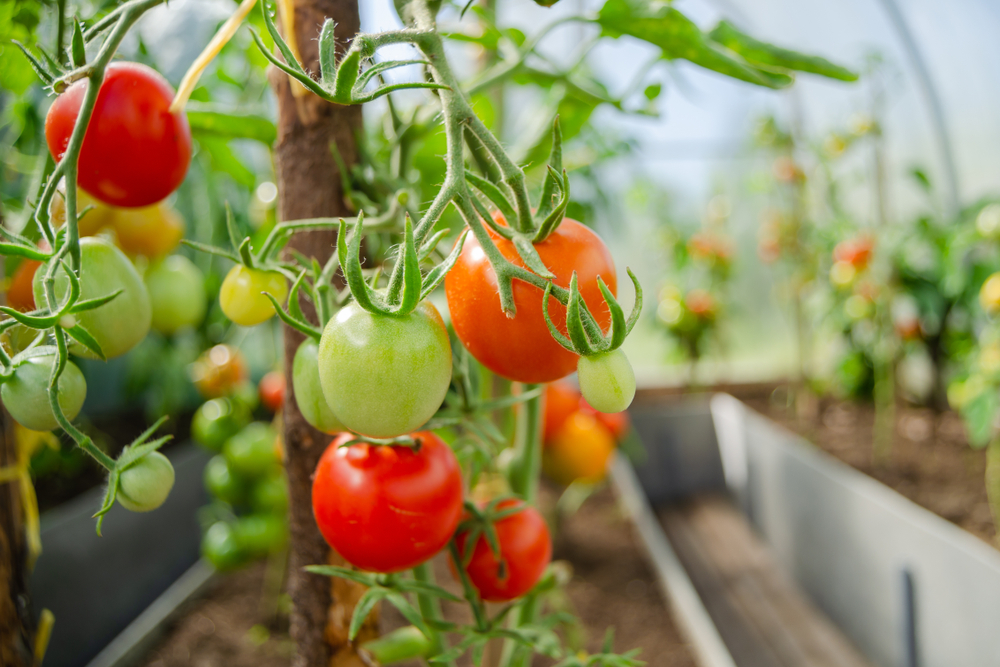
(505,333)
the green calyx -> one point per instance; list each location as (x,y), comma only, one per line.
(400,441)
(585,336)
(407,285)
(343,82)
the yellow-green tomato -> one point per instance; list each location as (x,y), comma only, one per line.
(176,294)
(146,484)
(308,391)
(242,294)
(26,393)
(607,381)
(385,376)
(123,322)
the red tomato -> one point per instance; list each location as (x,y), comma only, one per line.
(20,295)
(857,252)
(135,151)
(561,400)
(521,348)
(272,390)
(616,422)
(525,549)
(387,508)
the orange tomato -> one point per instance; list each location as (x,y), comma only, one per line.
(857,251)
(20,294)
(579,451)
(561,400)
(219,371)
(152,231)
(272,390)
(616,422)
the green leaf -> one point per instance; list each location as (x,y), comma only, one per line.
(342,572)
(211,121)
(363,608)
(768,55)
(223,159)
(82,336)
(78,48)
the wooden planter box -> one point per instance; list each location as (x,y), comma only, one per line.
(97,586)
(906,587)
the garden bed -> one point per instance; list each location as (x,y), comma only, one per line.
(613,585)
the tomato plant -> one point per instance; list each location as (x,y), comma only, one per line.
(136,152)
(525,549)
(387,508)
(520,348)
(309,390)
(242,295)
(25,392)
(176,294)
(405,360)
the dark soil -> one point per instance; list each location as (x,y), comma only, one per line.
(612,586)
(931,462)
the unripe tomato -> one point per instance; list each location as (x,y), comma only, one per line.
(146,484)
(99,215)
(989,294)
(218,420)
(270,495)
(242,298)
(135,151)
(219,371)
(250,453)
(616,422)
(223,483)
(384,376)
(521,348)
(525,549)
(272,390)
(150,231)
(579,450)
(387,509)
(607,381)
(26,396)
(220,547)
(176,294)
(19,292)
(309,391)
(123,322)
(561,400)
(260,534)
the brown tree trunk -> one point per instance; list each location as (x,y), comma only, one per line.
(309,186)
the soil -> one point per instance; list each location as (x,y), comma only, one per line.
(613,585)
(931,462)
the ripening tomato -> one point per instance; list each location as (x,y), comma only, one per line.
(219,371)
(607,380)
(272,390)
(561,400)
(309,391)
(123,322)
(135,152)
(616,422)
(25,393)
(97,216)
(579,450)
(385,376)
(856,252)
(525,549)
(242,294)
(521,348)
(19,292)
(176,294)
(150,231)
(387,508)
(145,485)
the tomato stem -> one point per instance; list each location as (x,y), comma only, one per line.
(527,463)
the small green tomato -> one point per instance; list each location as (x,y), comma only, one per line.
(26,393)
(145,485)
(607,381)
(176,294)
(308,391)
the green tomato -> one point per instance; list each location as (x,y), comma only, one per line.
(118,325)
(241,295)
(385,376)
(220,547)
(260,534)
(223,483)
(607,381)
(145,485)
(176,294)
(251,452)
(218,420)
(26,393)
(270,495)
(309,392)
